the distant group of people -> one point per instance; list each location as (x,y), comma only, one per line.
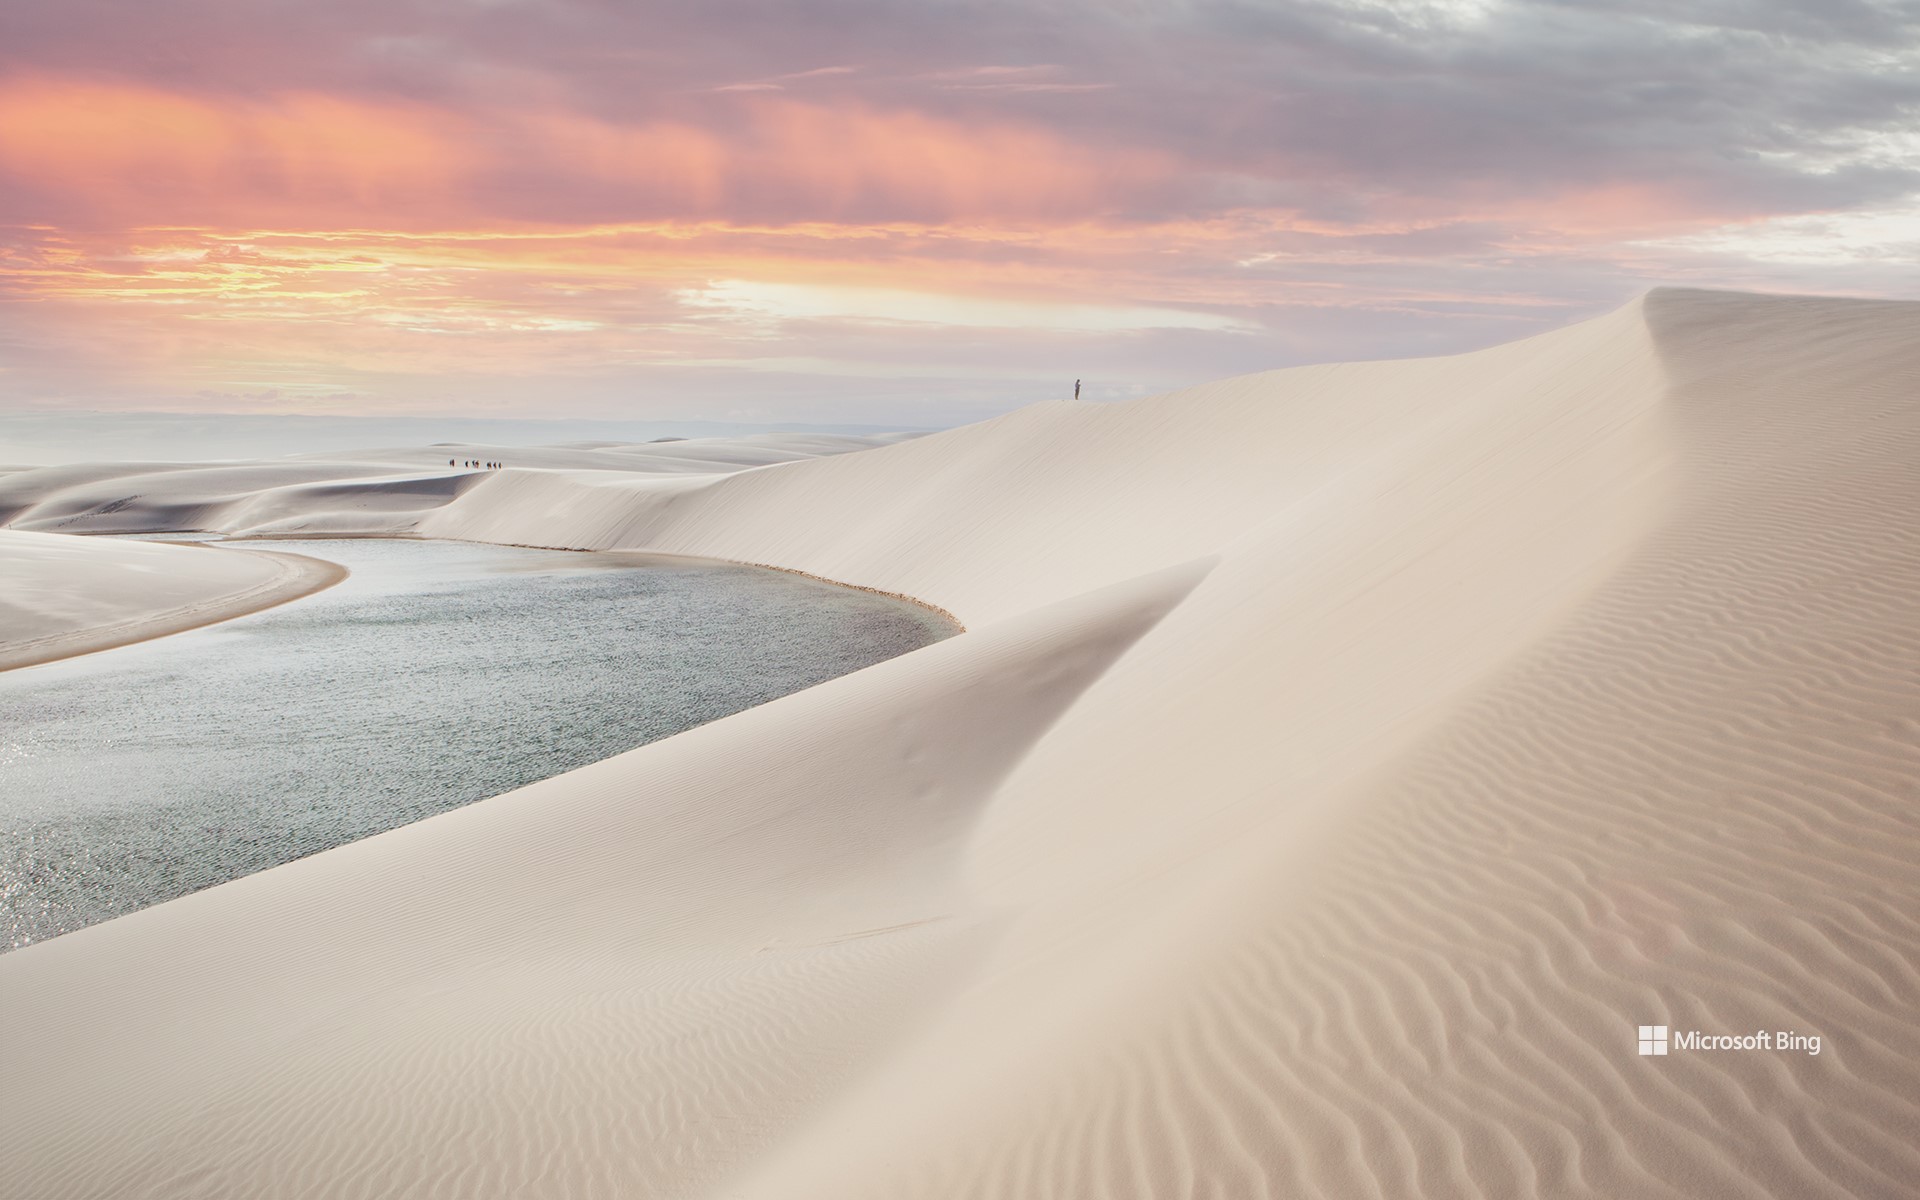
(475,464)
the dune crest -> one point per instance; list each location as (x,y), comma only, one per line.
(1340,765)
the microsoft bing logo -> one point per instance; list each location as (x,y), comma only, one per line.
(1653,1039)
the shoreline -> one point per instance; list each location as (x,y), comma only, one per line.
(944,614)
(935,609)
(298,576)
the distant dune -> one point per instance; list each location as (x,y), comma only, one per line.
(367,491)
(1340,765)
(52,438)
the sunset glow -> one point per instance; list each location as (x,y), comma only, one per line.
(731,218)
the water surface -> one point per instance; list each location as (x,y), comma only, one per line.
(438,674)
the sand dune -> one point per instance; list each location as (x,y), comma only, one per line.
(50,436)
(374,491)
(672,456)
(1341,763)
(65,596)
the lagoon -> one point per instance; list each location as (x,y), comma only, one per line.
(436,675)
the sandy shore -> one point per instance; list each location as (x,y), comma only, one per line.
(68,595)
(1340,766)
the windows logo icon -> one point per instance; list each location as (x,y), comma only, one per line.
(1653,1039)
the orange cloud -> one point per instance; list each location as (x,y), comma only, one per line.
(136,153)
(133,154)
(307,242)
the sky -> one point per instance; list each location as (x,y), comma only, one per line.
(913,212)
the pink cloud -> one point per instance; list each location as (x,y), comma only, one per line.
(132,154)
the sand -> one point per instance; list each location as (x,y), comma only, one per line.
(372,492)
(48,436)
(1341,763)
(67,596)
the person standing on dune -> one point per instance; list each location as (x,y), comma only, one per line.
(1076,389)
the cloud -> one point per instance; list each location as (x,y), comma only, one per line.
(781,302)
(1039,77)
(104,153)
(1766,108)
(819,72)
(359,194)
(779,82)
(1027,87)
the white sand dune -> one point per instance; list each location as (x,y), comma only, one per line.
(675,456)
(66,596)
(46,437)
(376,491)
(1340,764)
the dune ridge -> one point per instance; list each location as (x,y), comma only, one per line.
(1340,765)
